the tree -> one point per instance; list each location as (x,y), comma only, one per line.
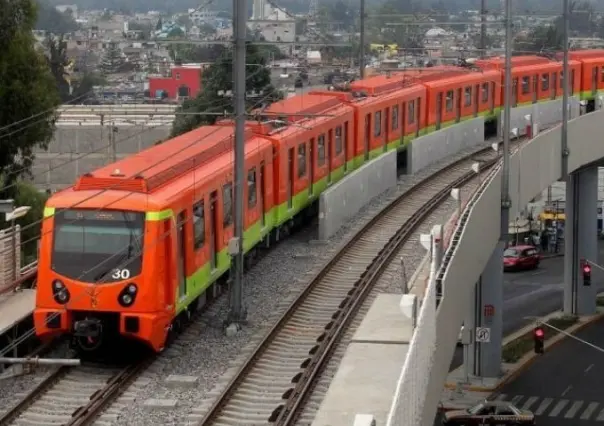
(58,62)
(53,21)
(216,80)
(112,60)
(28,90)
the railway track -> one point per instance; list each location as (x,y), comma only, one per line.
(277,378)
(72,395)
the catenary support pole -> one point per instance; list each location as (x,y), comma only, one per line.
(565,96)
(483,28)
(507,123)
(238,311)
(362,42)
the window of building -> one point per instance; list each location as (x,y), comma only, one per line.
(467,96)
(378,124)
(485,92)
(526,85)
(321,150)
(545,82)
(395,117)
(301,160)
(199,226)
(449,101)
(227,204)
(338,140)
(411,112)
(178,76)
(252,197)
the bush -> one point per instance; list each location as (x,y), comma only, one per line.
(516,349)
(600,301)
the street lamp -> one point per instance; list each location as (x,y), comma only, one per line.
(12,216)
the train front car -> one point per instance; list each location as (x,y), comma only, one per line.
(99,277)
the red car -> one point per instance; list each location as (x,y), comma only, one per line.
(520,257)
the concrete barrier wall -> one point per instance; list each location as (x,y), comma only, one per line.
(344,199)
(431,148)
(532,169)
(543,113)
(78,150)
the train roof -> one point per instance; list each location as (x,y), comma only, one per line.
(461,78)
(380,84)
(582,54)
(155,166)
(302,106)
(498,62)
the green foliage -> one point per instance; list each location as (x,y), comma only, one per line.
(28,89)
(28,195)
(53,21)
(516,349)
(600,301)
(58,61)
(217,78)
(405,36)
(112,60)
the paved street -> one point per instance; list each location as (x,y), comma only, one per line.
(566,385)
(532,293)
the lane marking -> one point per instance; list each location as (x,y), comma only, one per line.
(573,410)
(589,410)
(529,402)
(516,399)
(500,397)
(589,368)
(533,274)
(559,406)
(543,406)
(600,416)
(567,390)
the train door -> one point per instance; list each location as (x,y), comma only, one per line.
(514,93)
(572,83)
(554,85)
(403,115)
(311,158)
(367,135)
(262,189)
(344,137)
(418,114)
(476,99)
(594,80)
(329,156)
(458,106)
(439,110)
(291,156)
(181,254)
(535,88)
(491,96)
(213,229)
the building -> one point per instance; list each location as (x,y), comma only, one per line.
(184,82)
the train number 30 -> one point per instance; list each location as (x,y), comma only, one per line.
(120,274)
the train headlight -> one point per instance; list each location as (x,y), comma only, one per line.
(60,292)
(127,295)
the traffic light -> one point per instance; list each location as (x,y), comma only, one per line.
(586,269)
(538,338)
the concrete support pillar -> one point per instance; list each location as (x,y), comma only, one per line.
(580,240)
(485,357)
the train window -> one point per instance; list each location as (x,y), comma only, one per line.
(467,96)
(338,140)
(526,85)
(378,124)
(545,82)
(227,204)
(252,197)
(395,117)
(449,101)
(411,112)
(485,92)
(301,160)
(321,150)
(562,80)
(199,226)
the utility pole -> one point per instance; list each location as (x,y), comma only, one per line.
(507,124)
(238,312)
(483,28)
(567,82)
(362,42)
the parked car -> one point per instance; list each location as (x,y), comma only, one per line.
(490,413)
(520,258)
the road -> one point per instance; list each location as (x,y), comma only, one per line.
(532,293)
(566,385)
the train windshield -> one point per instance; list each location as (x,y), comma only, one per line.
(98,246)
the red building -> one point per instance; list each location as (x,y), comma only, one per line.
(184,82)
